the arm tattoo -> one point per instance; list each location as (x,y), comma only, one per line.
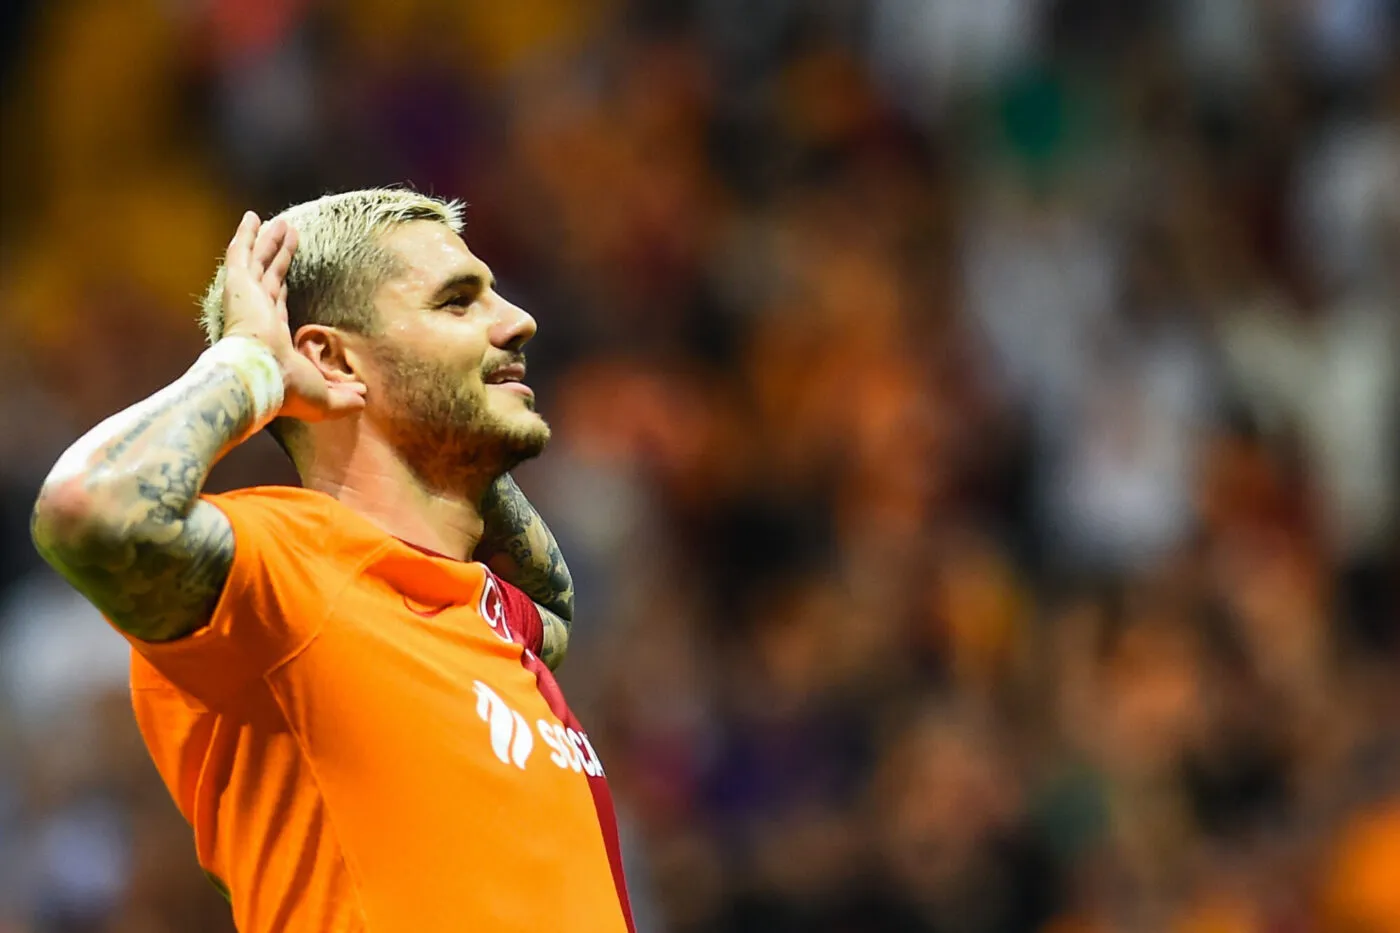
(556,638)
(519,546)
(146,551)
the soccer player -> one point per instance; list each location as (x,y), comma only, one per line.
(356,717)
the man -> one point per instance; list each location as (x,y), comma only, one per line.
(356,719)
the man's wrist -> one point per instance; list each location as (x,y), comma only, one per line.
(257,368)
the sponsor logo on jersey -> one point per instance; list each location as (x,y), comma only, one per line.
(512,740)
(493,608)
(510,733)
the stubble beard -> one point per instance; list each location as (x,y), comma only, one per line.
(444,430)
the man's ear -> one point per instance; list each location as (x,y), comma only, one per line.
(327,348)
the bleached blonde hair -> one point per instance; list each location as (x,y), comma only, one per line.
(339,262)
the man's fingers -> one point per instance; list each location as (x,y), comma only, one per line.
(276,274)
(345,398)
(265,248)
(240,247)
(330,400)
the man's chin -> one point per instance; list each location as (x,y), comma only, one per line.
(522,438)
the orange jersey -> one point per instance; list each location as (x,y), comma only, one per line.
(362,742)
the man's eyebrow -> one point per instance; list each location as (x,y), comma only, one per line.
(462,282)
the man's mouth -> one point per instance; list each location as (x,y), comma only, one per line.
(510,377)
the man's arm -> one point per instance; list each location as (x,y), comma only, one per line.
(519,546)
(120,516)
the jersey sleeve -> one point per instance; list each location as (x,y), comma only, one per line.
(272,604)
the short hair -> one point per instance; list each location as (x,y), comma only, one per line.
(339,262)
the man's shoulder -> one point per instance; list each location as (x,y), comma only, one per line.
(290,513)
(296,498)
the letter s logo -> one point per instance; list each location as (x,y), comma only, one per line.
(511,738)
(570,749)
(559,753)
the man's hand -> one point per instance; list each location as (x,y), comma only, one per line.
(120,515)
(255,305)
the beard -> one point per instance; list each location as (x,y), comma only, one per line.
(444,427)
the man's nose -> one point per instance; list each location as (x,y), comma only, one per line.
(513,327)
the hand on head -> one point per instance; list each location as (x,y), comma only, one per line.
(255,305)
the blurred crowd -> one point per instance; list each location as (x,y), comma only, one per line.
(977,436)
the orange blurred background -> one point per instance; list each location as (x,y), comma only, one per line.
(976,429)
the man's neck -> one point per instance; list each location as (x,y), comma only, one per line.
(373,481)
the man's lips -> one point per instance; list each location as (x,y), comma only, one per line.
(511,378)
(511,372)
(517,388)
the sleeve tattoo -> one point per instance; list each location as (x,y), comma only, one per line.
(519,546)
(145,550)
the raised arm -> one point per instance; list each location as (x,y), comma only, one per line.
(120,516)
(519,546)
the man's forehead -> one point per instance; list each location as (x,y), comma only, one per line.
(430,254)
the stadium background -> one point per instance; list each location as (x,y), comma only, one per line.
(976,429)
